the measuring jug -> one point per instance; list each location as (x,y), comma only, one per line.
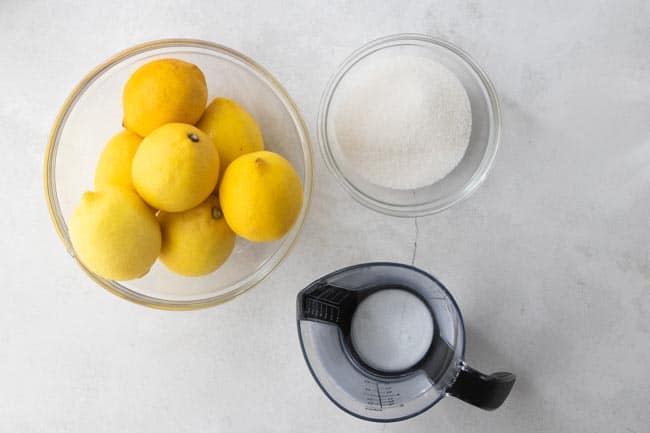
(386,341)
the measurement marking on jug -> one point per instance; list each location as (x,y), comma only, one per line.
(380,396)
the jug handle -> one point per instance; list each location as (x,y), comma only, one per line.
(485,391)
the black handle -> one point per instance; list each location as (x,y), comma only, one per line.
(485,391)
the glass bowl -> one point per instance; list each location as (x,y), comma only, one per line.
(470,172)
(93,113)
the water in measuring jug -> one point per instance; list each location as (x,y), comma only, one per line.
(391,330)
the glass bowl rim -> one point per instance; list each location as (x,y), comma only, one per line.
(269,264)
(429,207)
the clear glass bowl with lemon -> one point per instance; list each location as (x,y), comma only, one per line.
(178,174)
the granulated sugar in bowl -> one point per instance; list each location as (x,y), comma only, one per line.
(409,125)
(415,125)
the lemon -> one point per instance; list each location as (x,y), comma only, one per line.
(114,234)
(232,130)
(197,241)
(261,196)
(163,91)
(114,165)
(175,168)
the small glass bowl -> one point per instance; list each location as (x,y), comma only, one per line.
(93,113)
(471,170)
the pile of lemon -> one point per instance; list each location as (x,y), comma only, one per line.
(181,181)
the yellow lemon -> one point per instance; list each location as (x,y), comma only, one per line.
(114,165)
(197,241)
(232,130)
(175,168)
(261,196)
(115,234)
(163,91)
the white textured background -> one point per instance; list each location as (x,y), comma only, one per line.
(549,261)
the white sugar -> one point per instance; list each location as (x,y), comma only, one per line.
(402,122)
